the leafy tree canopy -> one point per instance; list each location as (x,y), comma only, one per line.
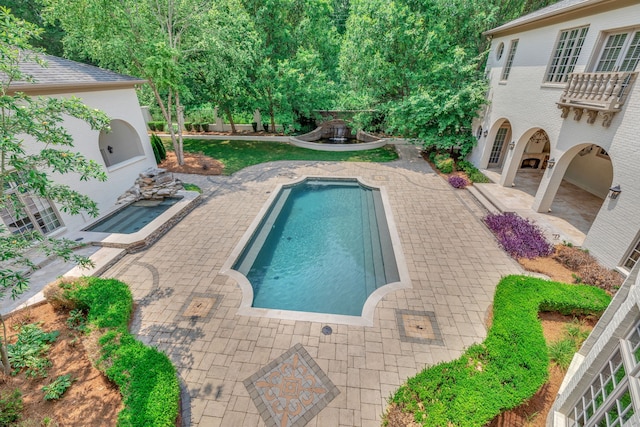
(35,146)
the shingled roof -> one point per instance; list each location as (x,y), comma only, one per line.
(62,74)
(555,10)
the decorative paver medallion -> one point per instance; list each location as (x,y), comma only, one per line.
(419,327)
(200,306)
(290,390)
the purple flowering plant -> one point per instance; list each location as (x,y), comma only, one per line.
(458,181)
(520,237)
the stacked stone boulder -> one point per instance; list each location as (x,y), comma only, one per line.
(152,184)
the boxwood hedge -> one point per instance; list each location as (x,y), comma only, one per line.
(146,377)
(508,367)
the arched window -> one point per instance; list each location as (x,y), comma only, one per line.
(120,144)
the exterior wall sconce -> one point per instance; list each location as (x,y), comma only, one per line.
(551,163)
(614,192)
(486,132)
(109,149)
(512,145)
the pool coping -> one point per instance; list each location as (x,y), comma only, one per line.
(338,147)
(149,234)
(368,310)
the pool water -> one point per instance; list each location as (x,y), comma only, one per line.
(323,246)
(133,217)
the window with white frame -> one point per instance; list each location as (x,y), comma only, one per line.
(633,257)
(23,212)
(620,52)
(608,400)
(507,66)
(566,54)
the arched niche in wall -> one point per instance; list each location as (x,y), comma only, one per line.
(120,144)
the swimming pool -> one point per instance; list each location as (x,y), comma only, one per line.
(133,217)
(323,246)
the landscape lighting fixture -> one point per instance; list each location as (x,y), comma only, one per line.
(551,163)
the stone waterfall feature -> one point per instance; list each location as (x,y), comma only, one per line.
(152,184)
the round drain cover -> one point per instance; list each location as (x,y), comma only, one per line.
(327,330)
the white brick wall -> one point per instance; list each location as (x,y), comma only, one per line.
(528,104)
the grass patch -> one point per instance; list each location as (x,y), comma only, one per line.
(508,367)
(237,155)
(191,187)
(146,377)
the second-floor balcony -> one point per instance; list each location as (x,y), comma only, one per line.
(596,94)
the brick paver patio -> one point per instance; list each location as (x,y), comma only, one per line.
(188,309)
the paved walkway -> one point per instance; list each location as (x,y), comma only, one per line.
(246,371)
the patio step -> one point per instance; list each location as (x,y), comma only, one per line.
(486,198)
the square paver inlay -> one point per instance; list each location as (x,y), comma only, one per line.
(418,327)
(290,390)
(200,306)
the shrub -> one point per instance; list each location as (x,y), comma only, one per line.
(587,268)
(519,237)
(572,258)
(472,172)
(157,126)
(159,151)
(596,275)
(146,377)
(30,350)
(10,407)
(562,351)
(56,389)
(457,181)
(508,367)
(444,163)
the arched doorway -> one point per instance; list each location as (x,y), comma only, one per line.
(120,144)
(499,145)
(577,185)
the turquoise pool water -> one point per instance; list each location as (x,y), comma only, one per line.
(322,247)
(133,217)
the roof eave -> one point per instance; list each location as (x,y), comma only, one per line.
(553,15)
(51,88)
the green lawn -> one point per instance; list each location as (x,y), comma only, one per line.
(236,155)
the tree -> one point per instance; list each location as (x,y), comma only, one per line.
(221,72)
(51,37)
(27,122)
(299,50)
(151,39)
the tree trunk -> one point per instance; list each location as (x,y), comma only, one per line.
(230,118)
(180,120)
(3,348)
(271,113)
(166,113)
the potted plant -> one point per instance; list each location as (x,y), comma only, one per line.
(254,125)
(188,126)
(266,127)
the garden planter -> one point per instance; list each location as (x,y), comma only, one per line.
(254,125)
(266,127)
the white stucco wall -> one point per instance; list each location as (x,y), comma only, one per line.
(528,103)
(119,104)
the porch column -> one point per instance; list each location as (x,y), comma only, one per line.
(511,165)
(549,185)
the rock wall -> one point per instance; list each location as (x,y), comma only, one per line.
(154,184)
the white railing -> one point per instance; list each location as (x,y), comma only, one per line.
(597,94)
(602,91)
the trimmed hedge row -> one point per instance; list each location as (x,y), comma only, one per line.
(508,367)
(146,377)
